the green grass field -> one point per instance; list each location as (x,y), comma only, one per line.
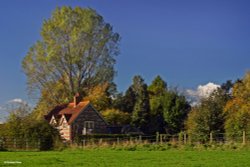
(111,158)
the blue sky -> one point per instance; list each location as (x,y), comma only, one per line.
(187,42)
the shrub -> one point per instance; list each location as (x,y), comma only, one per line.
(43,133)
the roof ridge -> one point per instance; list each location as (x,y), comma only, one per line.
(81,102)
(69,110)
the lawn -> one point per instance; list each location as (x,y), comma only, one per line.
(111,158)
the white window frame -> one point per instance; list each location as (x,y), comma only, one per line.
(89,124)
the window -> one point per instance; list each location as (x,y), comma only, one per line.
(89,124)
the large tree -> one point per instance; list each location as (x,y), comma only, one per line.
(125,102)
(140,114)
(208,117)
(76,52)
(238,109)
(168,109)
(157,87)
(175,110)
(156,91)
(18,117)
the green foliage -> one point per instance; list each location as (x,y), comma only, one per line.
(32,131)
(21,126)
(116,117)
(175,109)
(2,129)
(42,132)
(141,111)
(125,102)
(17,120)
(237,123)
(100,96)
(156,91)
(16,127)
(238,109)
(129,100)
(168,109)
(208,117)
(117,102)
(154,108)
(158,86)
(76,52)
(42,108)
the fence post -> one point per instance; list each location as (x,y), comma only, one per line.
(185,138)
(3,143)
(211,138)
(140,140)
(244,138)
(27,144)
(83,143)
(157,137)
(130,140)
(14,143)
(100,141)
(189,138)
(181,138)
(118,141)
(38,144)
(161,138)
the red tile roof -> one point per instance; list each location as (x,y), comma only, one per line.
(55,111)
(70,112)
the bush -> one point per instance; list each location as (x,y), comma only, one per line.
(43,133)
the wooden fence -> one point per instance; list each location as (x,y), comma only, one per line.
(181,138)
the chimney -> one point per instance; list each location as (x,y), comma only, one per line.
(76,99)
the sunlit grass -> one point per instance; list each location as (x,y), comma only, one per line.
(128,158)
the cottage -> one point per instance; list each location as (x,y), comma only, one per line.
(77,118)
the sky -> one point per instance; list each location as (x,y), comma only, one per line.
(189,43)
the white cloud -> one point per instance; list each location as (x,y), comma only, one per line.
(202,91)
(17,100)
(10,105)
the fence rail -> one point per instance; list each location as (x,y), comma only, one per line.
(183,138)
(19,144)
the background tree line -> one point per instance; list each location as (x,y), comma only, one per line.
(153,108)
(225,112)
(77,53)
